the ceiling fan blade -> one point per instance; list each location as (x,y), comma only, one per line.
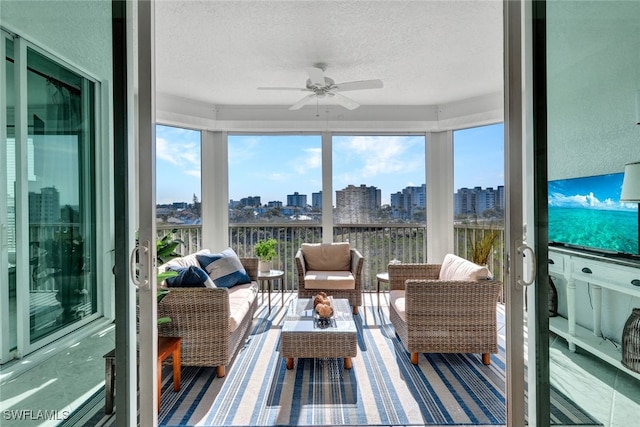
(347,103)
(359,85)
(304,101)
(300,89)
(316,75)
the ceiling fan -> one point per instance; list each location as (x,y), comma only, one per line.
(321,86)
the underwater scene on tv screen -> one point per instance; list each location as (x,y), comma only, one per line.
(587,212)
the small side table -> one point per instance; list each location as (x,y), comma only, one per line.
(167,346)
(269,277)
(384,278)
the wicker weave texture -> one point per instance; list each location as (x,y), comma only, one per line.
(200,316)
(445,317)
(353,295)
(316,342)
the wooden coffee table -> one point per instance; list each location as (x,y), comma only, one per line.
(304,336)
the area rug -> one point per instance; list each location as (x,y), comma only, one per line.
(382,389)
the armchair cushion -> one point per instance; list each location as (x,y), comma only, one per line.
(328,280)
(189,277)
(456,268)
(397,299)
(327,256)
(224,268)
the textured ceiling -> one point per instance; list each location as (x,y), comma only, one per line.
(425,52)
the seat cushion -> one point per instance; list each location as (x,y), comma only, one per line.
(240,299)
(398,301)
(327,256)
(456,268)
(224,268)
(329,280)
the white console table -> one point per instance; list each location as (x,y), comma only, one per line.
(599,272)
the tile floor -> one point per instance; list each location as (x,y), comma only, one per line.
(61,378)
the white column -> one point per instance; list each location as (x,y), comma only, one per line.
(327,188)
(439,179)
(214,169)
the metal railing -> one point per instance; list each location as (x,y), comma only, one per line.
(378,243)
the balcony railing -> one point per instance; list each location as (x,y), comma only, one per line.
(378,243)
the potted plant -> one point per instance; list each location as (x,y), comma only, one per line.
(265,250)
(481,243)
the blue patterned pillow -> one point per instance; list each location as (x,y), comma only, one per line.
(224,268)
(188,277)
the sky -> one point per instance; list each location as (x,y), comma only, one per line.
(274,166)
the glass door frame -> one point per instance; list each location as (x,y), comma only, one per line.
(24,344)
(514,216)
(6,353)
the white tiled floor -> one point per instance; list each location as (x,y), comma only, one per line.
(70,375)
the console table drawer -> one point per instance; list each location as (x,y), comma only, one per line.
(556,263)
(619,278)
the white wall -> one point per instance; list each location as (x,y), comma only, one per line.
(594,74)
(593,53)
(78,32)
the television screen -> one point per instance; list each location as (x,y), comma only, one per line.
(587,213)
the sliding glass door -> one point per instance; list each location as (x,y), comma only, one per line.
(48,227)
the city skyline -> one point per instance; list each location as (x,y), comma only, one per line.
(274,166)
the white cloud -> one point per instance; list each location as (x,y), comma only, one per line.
(311,160)
(186,155)
(382,155)
(589,201)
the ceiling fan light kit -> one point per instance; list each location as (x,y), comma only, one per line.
(322,86)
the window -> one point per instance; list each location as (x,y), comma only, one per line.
(177,176)
(275,179)
(379,179)
(479,172)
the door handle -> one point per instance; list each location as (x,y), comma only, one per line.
(135,274)
(522,250)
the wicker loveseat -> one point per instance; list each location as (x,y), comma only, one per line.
(212,322)
(443,316)
(334,268)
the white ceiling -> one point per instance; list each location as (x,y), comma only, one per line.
(427,53)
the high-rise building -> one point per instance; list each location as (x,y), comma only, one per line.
(251,201)
(404,203)
(355,205)
(477,200)
(297,200)
(316,200)
(44,206)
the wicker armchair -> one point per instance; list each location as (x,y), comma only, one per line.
(354,295)
(442,316)
(200,316)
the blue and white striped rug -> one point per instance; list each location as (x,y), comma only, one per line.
(382,389)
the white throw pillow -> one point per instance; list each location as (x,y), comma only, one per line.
(456,268)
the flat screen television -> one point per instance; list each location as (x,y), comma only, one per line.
(586,213)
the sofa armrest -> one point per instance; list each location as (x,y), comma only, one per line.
(199,315)
(400,273)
